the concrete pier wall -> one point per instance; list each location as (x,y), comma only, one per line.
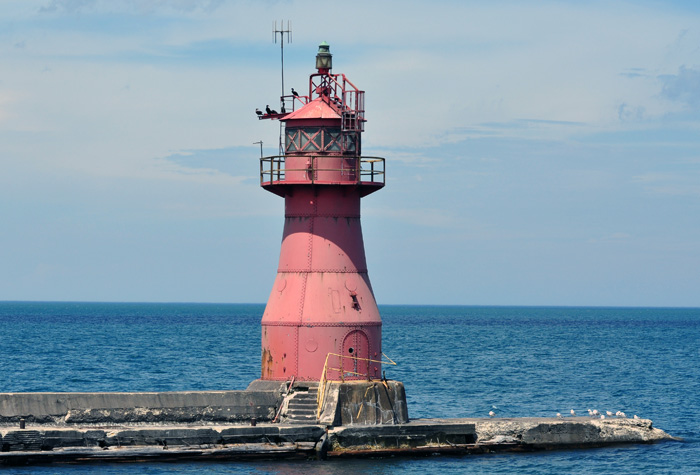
(145,407)
(364,403)
(42,438)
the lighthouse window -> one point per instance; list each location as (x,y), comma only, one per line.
(350,141)
(309,139)
(293,142)
(332,140)
(313,139)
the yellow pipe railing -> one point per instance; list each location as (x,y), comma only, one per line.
(321,394)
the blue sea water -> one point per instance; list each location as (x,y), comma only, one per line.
(454,361)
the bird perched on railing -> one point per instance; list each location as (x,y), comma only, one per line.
(295,93)
(270,111)
(258,111)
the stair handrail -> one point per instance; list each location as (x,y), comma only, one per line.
(279,411)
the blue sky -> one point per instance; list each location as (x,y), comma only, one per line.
(538,153)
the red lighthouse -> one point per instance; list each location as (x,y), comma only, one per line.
(322,307)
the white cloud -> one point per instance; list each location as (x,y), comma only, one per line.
(131,6)
(683,87)
(96,95)
(671,183)
(549,63)
(485,64)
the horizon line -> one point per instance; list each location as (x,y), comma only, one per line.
(155,302)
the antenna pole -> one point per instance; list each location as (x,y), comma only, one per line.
(261,144)
(282,31)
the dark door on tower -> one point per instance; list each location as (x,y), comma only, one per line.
(356,355)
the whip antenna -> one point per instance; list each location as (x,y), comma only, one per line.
(282,31)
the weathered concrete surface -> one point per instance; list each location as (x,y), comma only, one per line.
(146,407)
(485,435)
(303,450)
(41,445)
(48,438)
(412,435)
(363,418)
(364,403)
(268,386)
(49,443)
(570,431)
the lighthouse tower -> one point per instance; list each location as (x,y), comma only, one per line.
(321,314)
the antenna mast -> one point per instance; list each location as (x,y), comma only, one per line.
(282,31)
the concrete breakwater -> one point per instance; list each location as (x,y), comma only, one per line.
(273,420)
(56,444)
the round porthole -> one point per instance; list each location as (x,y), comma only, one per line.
(351,350)
(311,345)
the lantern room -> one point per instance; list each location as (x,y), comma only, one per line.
(321,136)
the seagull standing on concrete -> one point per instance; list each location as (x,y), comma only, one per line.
(558,415)
(610,414)
(573,413)
(492,414)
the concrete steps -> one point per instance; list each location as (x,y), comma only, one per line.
(301,404)
(27,440)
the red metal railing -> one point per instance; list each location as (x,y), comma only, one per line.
(352,100)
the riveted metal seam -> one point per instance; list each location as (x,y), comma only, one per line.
(322,271)
(324,215)
(356,325)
